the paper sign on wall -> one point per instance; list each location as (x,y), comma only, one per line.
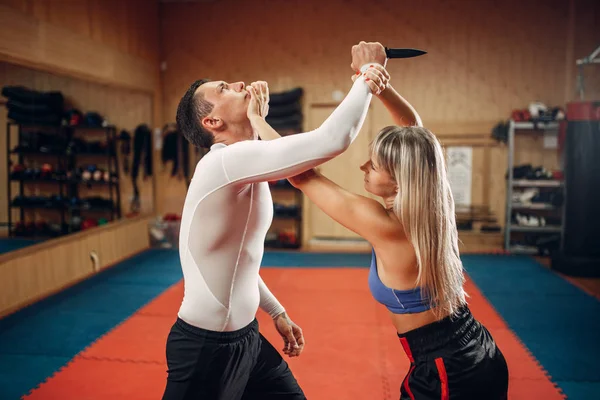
(460,170)
(550,139)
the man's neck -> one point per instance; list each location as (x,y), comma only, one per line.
(234,135)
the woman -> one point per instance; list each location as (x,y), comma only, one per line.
(416,271)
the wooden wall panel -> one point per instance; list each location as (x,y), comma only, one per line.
(106,41)
(485,58)
(475,71)
(122,107)
(38,271)
(129,26)
(478,178)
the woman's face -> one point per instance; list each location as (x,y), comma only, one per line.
(377,180)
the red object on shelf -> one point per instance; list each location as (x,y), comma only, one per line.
(171,217)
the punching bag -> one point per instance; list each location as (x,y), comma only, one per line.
(580,253)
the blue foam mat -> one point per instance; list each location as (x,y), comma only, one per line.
(19,373)
(296,259)
(12,244)
(580,390)
(556,321)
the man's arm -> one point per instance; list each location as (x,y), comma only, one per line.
(378,78)
(293,338)
(403,113)
(256,160)
(268,301)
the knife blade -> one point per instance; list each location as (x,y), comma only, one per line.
(403,53)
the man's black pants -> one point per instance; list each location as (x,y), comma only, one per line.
(238,365)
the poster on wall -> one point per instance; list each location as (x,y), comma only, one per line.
(460,169)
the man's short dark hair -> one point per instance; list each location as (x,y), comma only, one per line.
(190,112)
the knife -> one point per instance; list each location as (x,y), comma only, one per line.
(403,53)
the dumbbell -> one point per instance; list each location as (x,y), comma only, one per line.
(46,171)
(19,228)
(76,222)
(41,226)
(18,172)
(29,173)
(30,228)
(287,237)
(88,223)
(59,175)
(55,228)
(86,175)
(171,217)
(18,168)
(76,174)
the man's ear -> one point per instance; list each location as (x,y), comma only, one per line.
(212,123)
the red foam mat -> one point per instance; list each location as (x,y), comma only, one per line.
(351,351)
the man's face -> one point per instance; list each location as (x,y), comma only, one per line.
(230,100)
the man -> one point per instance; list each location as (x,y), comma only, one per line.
(214,350)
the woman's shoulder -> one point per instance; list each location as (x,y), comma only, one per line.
(392,228)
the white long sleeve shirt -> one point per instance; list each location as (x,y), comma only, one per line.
(228,210)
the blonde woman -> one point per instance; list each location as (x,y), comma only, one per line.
(416,271)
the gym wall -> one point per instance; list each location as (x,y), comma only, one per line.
(485,59)
(103,56)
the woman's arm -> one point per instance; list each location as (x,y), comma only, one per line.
(264,130)
(401,110)
(362,215)
(403,113)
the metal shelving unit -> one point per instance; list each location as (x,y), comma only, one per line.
(510,226)
(297,217)
(66,187)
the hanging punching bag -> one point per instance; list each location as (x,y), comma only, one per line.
(580,253)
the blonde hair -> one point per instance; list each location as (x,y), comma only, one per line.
(425,206)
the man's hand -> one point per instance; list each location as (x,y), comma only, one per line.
(258,109)
(365,53)
(377,78)
(291,333)
(259,99)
